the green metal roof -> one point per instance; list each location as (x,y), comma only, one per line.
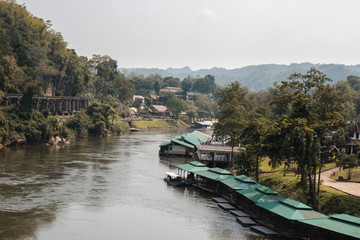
(258,197)
(182,143)
(245,179)
(266,190)
(197,164)
(220,171)
(289,212)
(237,184)
(295,204)
(202,135)
(214,175)
(191,168)
(335,225)
(190,139)
(165,144)
(347,218)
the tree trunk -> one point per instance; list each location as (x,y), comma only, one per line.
(257,168)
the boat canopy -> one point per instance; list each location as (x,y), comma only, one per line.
(171,174)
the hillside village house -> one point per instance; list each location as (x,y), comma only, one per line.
(159,110)
(176,90)
(352,140)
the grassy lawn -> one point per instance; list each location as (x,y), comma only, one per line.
(264,166)
(160,124)
(331,200)
(355,175)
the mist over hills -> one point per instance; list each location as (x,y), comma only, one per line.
(255,77)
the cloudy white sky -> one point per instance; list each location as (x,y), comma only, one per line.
(207,33)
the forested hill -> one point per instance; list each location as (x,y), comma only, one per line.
(255,77)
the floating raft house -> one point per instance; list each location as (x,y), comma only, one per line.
(289,217)
(184,145)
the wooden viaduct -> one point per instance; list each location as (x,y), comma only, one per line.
(61,105)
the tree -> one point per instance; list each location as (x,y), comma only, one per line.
(205,85)
(348,162)
(172,82)
(314,112)
(176,106)
(191,115)
(123,89)
(186,85)
(252,137)
(233,106)
(148,101)
(157,87)
(137,103)
(245,161)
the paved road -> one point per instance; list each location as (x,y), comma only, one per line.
(347,187)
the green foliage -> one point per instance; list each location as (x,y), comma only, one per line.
(98,129)
(41,54)
(233,106)
(35,128)
(303,136)
(205,85)
(171,82)
(348,162)
(186,85)
(101,112)
(165,96)
(176,106)
(245,162)
(137,103)
(119,127)
(80,124)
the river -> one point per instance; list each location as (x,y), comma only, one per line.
(104,188)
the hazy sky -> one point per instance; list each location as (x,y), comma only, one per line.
(207,33)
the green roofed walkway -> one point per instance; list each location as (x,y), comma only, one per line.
(290,211)
(342,224)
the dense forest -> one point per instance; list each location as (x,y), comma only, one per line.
(36,60)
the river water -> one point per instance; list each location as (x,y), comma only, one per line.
(104,188)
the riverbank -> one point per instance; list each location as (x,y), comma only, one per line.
(159,124)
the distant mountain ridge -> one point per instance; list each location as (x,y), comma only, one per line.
(255,77)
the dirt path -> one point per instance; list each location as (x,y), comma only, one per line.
(346,187)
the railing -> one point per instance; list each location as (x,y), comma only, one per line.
(205,157)
(62,105)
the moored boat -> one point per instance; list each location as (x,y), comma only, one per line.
(174,179)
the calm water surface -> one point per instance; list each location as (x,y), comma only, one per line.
(104,188)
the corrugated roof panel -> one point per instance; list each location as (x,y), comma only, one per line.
(295,204)
(289,212)
(220,171)
(165,144)
(266,190)
(237,184)
(190,140)
(182,143)
(214,175)
(245,179)
(202,135)
(197,164)
(335,225)
(347,218)
(191,168)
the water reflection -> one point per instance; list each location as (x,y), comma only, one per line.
(109,188)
